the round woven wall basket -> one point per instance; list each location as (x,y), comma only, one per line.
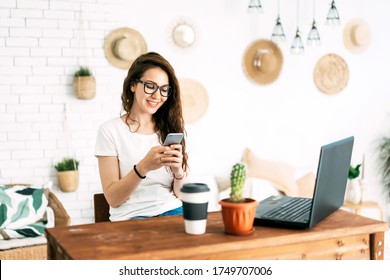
(84,87)
(68,180)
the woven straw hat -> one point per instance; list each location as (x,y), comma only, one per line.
(123,45)
(263,61)
(357,35)
(331,74)
(194,100)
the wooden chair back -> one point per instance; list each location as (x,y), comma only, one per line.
(101,208)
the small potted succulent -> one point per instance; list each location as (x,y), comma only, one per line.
(84,84)
(238,212)
(354,172)
(354,192)
(68,174)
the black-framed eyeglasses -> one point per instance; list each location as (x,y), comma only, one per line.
(150,88)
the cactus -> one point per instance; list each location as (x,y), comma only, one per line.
(237,182)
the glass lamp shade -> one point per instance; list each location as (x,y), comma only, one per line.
(278,32)
(333,17)
(314,36)
(297,45)
(255,6)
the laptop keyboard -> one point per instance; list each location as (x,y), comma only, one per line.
(291,210)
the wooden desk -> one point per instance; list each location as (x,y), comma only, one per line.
(342,235)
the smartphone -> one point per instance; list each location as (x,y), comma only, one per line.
(173,138)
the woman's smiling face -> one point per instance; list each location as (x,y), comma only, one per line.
(149,103)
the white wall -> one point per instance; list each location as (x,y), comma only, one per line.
(42,42)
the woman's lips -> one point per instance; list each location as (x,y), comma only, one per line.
(152,103)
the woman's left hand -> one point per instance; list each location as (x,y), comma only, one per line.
(174,159)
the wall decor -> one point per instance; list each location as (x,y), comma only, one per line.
(68,174)
(184,34)
(263,61)
(84,83)
(356,35)
(123,45)
(331,74)
(195,99)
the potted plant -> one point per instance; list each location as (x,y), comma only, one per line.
(68,174)
(354,172)
(383,164)
(84,84)
(238,212)
(354,192)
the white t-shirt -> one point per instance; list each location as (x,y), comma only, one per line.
(154,194)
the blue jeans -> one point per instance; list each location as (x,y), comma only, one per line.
(173,212)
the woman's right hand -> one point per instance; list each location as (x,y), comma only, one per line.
(152,160)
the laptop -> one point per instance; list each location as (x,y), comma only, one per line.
(329,192)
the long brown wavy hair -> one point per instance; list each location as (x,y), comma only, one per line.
(169,117)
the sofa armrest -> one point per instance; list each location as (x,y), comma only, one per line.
(61,216)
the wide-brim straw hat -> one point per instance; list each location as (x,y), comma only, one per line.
(123,45)
(357,35)
(331,74)
(263,61)
(194,99)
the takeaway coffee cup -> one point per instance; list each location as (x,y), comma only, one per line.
(195,198)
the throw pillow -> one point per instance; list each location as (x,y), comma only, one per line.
(279,173)
(22,211)
(261,189)
(223,183)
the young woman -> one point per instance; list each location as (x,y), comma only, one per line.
(140,176)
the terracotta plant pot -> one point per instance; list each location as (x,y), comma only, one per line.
(68,180)
(238,218)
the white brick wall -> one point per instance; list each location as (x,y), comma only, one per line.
(41,45)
